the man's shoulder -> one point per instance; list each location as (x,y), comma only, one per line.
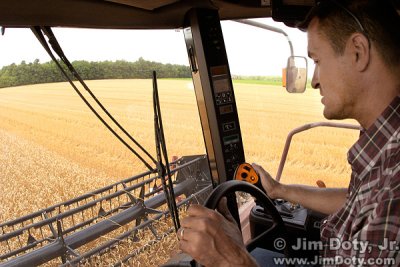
(384,179)
(390,172)
(391,155)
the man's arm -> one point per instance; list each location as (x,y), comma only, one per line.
(324,200)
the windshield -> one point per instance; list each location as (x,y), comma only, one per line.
(54,149)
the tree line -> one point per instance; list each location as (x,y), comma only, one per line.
(36,72)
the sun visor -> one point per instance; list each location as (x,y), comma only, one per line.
(291,12)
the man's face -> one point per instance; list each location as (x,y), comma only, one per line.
(332,75)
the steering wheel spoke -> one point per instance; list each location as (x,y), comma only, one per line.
(272,232)
(278,228)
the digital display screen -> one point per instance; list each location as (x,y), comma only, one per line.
(221,84)
(231,139)
(225,109)
(220,79)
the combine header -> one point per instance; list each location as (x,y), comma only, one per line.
(94,224)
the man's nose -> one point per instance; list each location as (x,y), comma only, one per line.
(315,79)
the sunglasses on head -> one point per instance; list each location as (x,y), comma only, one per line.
(326,6)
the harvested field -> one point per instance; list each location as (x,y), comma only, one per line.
(53,148)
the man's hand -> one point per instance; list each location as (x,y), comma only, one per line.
(324,200)
(213,238)
(271,186)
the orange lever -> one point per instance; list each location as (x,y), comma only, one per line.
(245,172)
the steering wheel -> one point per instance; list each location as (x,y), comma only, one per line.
(277,229)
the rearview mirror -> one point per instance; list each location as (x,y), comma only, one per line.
(296,74)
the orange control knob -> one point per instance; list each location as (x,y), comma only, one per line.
(245,172)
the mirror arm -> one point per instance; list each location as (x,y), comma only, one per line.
(269,28)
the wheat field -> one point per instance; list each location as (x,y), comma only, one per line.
(53,148)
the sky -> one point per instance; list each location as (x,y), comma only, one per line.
(250,50)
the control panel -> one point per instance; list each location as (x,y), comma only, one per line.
(300,223)
(227,116)
(214,93)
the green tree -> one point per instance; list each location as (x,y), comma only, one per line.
(36,72)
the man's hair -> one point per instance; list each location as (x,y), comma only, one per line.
(376,19)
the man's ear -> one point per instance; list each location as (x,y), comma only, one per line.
(360,50)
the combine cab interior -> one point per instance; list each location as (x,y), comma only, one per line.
(199,21)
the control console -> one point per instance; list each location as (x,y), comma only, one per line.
(301,224)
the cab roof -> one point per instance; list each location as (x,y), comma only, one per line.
(140,14)
(125,14)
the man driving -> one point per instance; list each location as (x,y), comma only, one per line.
(355,47)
